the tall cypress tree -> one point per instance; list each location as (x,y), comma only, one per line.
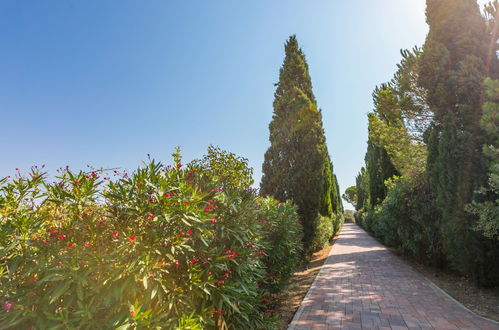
(452,69)
(297,165)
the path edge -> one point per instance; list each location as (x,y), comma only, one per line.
(299,312)
(432,284)
(457,301)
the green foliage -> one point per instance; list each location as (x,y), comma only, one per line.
(405,219)
(362,184)
(350,195)
(379,169)
(283,232)
(486,204)
(162,247)
(452,69)
(227,168)
(388,130)
(432,109)
(297,166)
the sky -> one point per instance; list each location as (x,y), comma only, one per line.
(107,82)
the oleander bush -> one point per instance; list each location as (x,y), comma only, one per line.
(162,247)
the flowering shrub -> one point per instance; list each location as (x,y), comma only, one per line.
(284,235)
(162,247)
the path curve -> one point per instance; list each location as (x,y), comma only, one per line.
(362,285)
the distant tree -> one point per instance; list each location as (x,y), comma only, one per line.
(350,195)
(297,164)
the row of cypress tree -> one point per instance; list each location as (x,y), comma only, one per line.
(297,165)
(433,191)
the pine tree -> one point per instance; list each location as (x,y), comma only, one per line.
(452,69)
(297,165)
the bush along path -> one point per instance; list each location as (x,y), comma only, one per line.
(362,285)
(164,247)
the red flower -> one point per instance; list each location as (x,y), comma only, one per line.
(167,195)
(186,202)
(231,254)
(214,190)
(213,220)
(264,302)
(190,182)
(132,238)
(115,234)
(61,237)
(150,216)
(219,311)
(59,263)
(86,244)
(132,313)
(220,282)
(226,275)
(7,306)
(70,245)
(84,227)
(211,202)
(192,261)
(77,182)
(189,232)
(85,214)
(101,223)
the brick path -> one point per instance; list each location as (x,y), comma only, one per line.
(362,285)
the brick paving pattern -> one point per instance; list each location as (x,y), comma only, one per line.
(362,285)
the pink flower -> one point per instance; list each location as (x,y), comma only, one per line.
(86,244)
(226,275)
(150,216)
(7,306)
(115,234)
(77,182)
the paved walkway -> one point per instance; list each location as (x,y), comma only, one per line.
(362,285)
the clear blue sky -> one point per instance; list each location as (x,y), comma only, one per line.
(107,82)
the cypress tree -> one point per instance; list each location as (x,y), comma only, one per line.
(297,165)
(452,69)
